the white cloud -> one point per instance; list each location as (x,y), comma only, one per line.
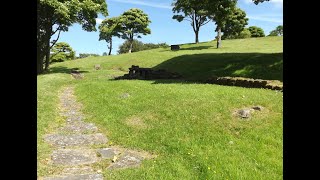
(267,18)
(139,2)
(99,21)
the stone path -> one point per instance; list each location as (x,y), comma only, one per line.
(74,150)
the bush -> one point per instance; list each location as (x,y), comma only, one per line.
(84,55)
(139,46)
(256,31)
(244,34)
(61,51)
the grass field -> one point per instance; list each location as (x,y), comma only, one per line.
(188,125)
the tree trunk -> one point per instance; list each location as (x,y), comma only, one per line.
(219,38)
(47,55)
(131,42)
(39,61)
(110,47)
(197,36)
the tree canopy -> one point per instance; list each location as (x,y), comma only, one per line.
(259,1)
(54,16)
(219,11)
(234,24)
(108,28)
(256,31)
(134,23)
(277,32)
(194,12)
(62,51)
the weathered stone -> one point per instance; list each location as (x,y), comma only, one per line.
(74,156)
(125,95)
(126,161)
(258,108)
(97,67)
(244,113)
(75,139)
(107,153)
(77,177)
(79,127)
(77,75)
(77,170)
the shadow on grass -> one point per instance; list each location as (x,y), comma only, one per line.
(62,69)
(197,48)
(200,67)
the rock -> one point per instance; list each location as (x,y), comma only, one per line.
(74,156)
(77,177)
(107,153)
(244,113)
(77,170)
(75,139)
(97,67)
(126,161)
(258,108)
(79,127)
(125,95)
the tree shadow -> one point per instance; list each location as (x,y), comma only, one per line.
(197,48)
(200,67)
(190,48)
(62,69)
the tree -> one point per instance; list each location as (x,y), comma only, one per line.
(219,10)
(259,1)
(108,28)
(135,46)
(62,51)
(256,31)
(234,24)
(245,33)
(84,55)
(104,54)
(193,12)
(277,32)
(139,46)
(133,23)
(55,16)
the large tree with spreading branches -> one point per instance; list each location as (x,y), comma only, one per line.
(194,12)
(219,11)
(235,24)
(109,28)
(55,16)
(134,22)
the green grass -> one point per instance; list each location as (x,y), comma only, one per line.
(188,125)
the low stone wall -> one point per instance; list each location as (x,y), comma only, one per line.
(136,72)
(244,82)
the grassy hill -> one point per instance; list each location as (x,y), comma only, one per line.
(189,126)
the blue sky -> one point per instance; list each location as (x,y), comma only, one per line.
(267,15)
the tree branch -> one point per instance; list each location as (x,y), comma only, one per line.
(205,22)
(54,42)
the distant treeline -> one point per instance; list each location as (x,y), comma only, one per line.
(139,46)
(84,55)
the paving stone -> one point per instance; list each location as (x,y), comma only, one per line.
(127,160)
(75,139)
(74,156)
(108,153)
(77,177)
(79,127)
(77,170)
